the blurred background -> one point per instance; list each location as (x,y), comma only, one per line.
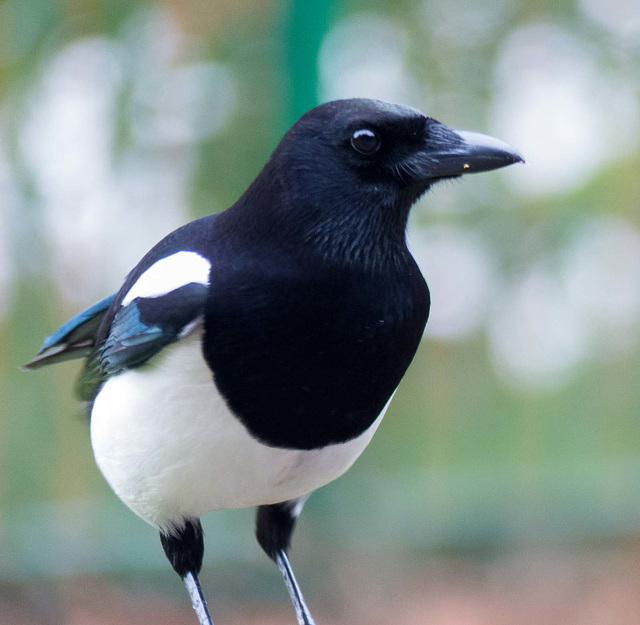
(504,484)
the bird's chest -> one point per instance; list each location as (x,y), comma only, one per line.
(306,364)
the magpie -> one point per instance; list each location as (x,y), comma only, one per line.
(251,354)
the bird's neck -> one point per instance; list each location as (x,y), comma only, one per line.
(359,232)
(364,230)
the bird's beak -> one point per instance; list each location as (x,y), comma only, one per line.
(456,152)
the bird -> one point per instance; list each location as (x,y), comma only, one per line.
(249,357)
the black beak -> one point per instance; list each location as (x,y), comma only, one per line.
(456,152)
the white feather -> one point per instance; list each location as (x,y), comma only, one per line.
(168,274)
(171,449)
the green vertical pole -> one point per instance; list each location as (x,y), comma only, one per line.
(308,22)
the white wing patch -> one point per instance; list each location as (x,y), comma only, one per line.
(169,274)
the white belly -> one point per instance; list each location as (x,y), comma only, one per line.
(168,445)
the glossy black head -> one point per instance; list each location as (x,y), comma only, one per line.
(384,149)
(349,169)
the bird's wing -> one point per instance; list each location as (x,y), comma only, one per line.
(161,301)
(146,325)
(141,329)
(73,339)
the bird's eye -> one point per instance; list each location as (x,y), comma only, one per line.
(365,141)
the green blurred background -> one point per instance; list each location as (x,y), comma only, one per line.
(504,484)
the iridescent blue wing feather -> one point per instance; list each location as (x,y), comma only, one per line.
(141,329)
(74,338)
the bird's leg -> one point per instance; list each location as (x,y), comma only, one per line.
(302,611)
(185,548)
(274,526)
(197,598)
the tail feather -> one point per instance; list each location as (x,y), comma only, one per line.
(59,353)
(73,339)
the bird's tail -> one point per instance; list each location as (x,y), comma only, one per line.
(73,339)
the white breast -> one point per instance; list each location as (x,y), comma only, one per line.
(170,448)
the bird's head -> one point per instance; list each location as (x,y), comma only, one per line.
(355,167)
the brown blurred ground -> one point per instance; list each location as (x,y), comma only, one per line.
(594,586)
